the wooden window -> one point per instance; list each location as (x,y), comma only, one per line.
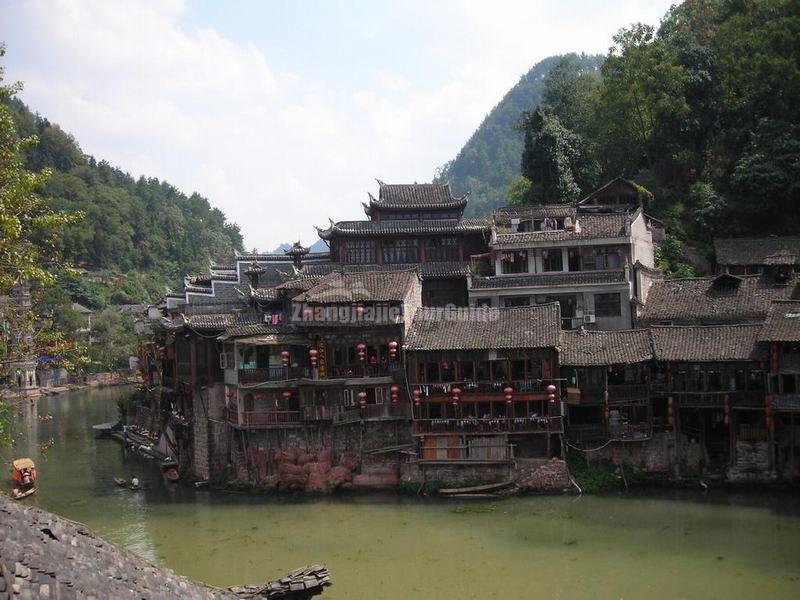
(514,262)
(439,249)
(401,251)
(360,252)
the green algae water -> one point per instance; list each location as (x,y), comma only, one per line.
(701,545)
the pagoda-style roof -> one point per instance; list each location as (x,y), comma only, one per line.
(415,196)
(602,348)
(404,227)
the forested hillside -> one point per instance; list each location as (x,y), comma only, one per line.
(703,111)
(136,236)
(489,161)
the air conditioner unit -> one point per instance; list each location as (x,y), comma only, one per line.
(515,224)
(589,319)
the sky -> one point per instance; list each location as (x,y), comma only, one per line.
(283,114)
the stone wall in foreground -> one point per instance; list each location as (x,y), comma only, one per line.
(45,556)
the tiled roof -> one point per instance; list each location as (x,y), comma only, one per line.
(548,279)
(318,269)
(782,323)
(707,343)
(599,348)
(265,294)
(758,251)
(217,322)
(405,227)
(225,276)
(299,283)
(589,226)
(485,328)
(429,270)
(722,299)
(372,286)
(197,289)
(248,329)
(416,195)
(311,256)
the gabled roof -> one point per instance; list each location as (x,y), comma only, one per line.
(601,348)
(416,196)
(782,323)
(707,343)
(404,227)
(640,192)
(372,286)
(758,251)
(249,329)
(722,299)
(504,214)
(485,328)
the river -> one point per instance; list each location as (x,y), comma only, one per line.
(670,545)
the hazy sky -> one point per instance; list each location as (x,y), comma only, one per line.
(284,113)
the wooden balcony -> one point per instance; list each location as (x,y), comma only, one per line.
(357,371)
(318,413)
(264,420)
(373,412)
(477,391)
(266,374)
(491,426)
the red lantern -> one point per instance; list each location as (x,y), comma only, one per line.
(551,389)
(359,310)
(286,394)
(417,397)
(362,351)
(313,356)
(509,399)
(551,398)
(362,399)
(285,358)
(258,397)
(456,395)
(393,349)
(308,314)
(394,393)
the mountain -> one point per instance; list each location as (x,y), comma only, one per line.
(137,235)
(490,160)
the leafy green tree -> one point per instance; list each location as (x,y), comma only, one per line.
(28,227)
(671,258)
(519,192)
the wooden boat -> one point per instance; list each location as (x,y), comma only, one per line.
(122,482)
(477,489)
(20,494)
(24,475)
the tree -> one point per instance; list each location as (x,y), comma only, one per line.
(28,227)
(554,159)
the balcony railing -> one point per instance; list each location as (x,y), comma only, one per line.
(786,402)
(489,426)
(318,413)
(621,432)
(353,371)
(520,386)
(265,374)
(373,412)
(263,420)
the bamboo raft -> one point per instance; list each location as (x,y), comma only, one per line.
(300,584)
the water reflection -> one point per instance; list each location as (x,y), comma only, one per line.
(674,544)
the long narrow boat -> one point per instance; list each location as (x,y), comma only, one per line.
(20,494)
(477,489)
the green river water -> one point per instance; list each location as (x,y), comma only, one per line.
(669,545)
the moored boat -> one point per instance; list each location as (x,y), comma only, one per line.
(24,475)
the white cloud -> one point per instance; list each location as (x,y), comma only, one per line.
(275,150)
